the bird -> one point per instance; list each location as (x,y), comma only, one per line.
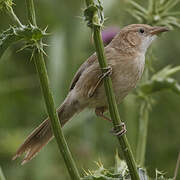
(125,56)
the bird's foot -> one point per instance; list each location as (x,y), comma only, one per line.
(116,132)
(99,112)
(107,71)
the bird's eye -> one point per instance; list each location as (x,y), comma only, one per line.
(141,31)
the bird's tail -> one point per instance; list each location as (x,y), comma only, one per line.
(43,134)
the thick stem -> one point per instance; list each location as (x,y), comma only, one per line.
(41,69)
(113,109)
(42,72)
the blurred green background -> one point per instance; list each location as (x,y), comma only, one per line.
(22,107)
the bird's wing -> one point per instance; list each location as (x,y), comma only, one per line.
(89,74)
(85,65)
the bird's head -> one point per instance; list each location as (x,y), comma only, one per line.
(137,37)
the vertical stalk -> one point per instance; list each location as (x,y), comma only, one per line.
(142,135)
(96,28)
(42,72)
(143,126)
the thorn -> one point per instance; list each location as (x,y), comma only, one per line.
(42,50)
(46,45)
(45,29)
(32,55)
(87,174)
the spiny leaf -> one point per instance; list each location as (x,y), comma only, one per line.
(5,4)
(30,34)
(157,85)
(157,13)
(166,72)
(120,165)
(169,5)
(138,7)
(6,39)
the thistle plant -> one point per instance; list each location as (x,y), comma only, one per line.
(158,13)
(95,18)
(32,36)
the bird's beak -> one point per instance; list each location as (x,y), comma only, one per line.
(157,30)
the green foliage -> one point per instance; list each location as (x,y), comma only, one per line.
(119,172)
(94,15)
(5,4)
(21,107)
(28,34)
(161,81)
(159,12)
(111,100)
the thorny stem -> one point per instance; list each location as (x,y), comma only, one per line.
(113,109)
(42,72)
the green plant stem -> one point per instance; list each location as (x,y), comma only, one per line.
(143,125)
(41,69)
(113,109)
(1,175)
(142,133)
(42,72)
(31,12)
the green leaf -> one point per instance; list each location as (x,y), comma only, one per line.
(6,39)
(29,34)
(160,84)
(138,7)
(169,5)
(157,13)
(120,165)
(166,72)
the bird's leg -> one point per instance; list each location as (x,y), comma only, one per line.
(118,132)
(108,71)
(99,112)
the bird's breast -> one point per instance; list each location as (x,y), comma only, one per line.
(126,74)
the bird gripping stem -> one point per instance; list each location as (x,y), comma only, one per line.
(95,18)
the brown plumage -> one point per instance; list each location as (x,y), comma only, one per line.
(125,55)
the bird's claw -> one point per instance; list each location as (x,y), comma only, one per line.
(107,71)
(117,132)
